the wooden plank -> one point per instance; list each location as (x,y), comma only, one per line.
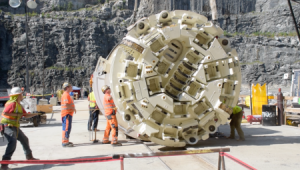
(293,116)
(295,110)
(289,97)
(272,97)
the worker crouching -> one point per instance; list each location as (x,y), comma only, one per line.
(11,115)
(235,123)
(67,110)
(110,114)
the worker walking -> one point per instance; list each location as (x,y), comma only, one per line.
(94,113)
(11,115)
(67,110)
(110,114)
(235,123)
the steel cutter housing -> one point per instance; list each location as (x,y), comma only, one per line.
(174,78)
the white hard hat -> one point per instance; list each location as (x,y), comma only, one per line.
(66,84)
(15,91)
(104,88)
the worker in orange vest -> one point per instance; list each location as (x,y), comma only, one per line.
(67,110)
(10,126)
(111,119)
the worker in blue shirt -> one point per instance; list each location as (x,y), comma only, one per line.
(71,93)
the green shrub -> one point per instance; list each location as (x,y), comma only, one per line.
(53,8)
(33,14)
(70,6)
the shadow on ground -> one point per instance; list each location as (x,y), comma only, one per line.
(49,166)
(253,135)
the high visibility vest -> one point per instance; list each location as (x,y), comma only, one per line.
(109,105)
(92,99)
(236,110)
(12,120)
(66,99)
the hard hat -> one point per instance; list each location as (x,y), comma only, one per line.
(66,84)
(15,91)
(104,88)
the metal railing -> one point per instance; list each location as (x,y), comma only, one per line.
(121,157)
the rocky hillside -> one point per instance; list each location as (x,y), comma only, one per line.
(78,32)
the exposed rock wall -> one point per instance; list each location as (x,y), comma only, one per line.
(6,41)
(74,40)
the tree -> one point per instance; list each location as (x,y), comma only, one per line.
(70,6)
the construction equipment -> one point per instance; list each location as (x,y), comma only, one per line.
(169,77)
(30,106)
(4,96)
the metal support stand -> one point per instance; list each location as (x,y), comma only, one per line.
(43,58)
(26,51)
(95,140)
(122,162)
(221,161)
(294,19)
(217,134)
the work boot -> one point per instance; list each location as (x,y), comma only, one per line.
(116,144)
(240,139)
(230,137)
(106,142)
(30,157)
(65,145)
(4,167)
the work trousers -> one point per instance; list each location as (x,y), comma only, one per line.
(66,128)
(236,124)
(93,120)
(12,134)
(111,126)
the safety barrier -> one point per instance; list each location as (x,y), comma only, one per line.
(4,97)
(222,154)
(121,157)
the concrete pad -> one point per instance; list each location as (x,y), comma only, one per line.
(45,142)
(266,147)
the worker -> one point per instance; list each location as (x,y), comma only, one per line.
(11,115)
(235,123)
(94,113)
(67,110)
(110,114)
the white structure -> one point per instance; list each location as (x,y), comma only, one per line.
(174,78)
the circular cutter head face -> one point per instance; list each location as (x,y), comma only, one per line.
(174,78)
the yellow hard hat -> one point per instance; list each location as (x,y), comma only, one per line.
(104,88)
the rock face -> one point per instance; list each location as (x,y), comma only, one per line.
(262,31)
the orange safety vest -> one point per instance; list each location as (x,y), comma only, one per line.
(66,99)
(109,105)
